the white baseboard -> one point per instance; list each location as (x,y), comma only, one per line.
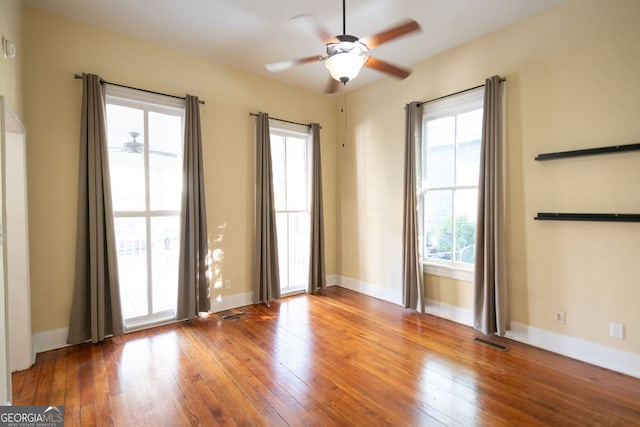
(576,348)
(57,338)
(333,279)
(452,312)
(49,340)
(228,302)
(436,308)
(384,293)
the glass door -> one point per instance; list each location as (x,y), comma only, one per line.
(290,162)
(145,160)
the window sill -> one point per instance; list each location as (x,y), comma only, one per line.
(457,273)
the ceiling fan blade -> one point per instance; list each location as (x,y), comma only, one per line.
(311,24)
(285,65)
(163,153)
(332,86)
(385,67)
(399,30)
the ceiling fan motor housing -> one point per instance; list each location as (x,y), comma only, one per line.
(345,58)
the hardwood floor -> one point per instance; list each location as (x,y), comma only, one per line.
(335,359)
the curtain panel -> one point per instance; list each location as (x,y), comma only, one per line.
(266,280)
(490,306)
(317,275)
(95,308)
(412,277)
(193,281)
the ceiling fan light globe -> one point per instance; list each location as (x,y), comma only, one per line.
(345,66)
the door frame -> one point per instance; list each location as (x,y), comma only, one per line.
(10,124)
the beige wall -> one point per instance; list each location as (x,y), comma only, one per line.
(573,81)
(56,49)
(11,25)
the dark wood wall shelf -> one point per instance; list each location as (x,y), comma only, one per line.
(600,217)
(588,152)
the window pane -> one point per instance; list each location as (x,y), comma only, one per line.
(297,187)
(283,248)
(164,260)
(466,212)
(440,152)
(468,134)
(278,171)
(126,159)
(165,161)
(469,126)
(298,249)
(131,241)
(438,227)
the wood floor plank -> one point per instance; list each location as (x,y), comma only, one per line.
(59,381)
(216,389)
(26,391)
(338,358)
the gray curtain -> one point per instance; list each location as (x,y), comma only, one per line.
(490,308)
(412,278)
(266,280)
(193,282)
(95,308)
(317,277)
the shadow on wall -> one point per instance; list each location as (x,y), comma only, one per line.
(216,264)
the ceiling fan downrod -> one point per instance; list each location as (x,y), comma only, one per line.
(344,17)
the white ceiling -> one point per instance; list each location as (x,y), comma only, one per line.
(246,34)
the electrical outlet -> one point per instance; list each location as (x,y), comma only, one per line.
(559,316)
(616,330)
(227,284)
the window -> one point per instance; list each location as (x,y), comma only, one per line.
(450,165)
(290,157)
(145,138)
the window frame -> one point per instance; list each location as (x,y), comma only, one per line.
(285,129)
(449,106)
(148,102)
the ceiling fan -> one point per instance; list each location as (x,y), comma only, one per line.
(346,54)
(136,147)
(133,146)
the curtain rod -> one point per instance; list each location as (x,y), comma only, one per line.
(502,79)
(78,76)
(283,120)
